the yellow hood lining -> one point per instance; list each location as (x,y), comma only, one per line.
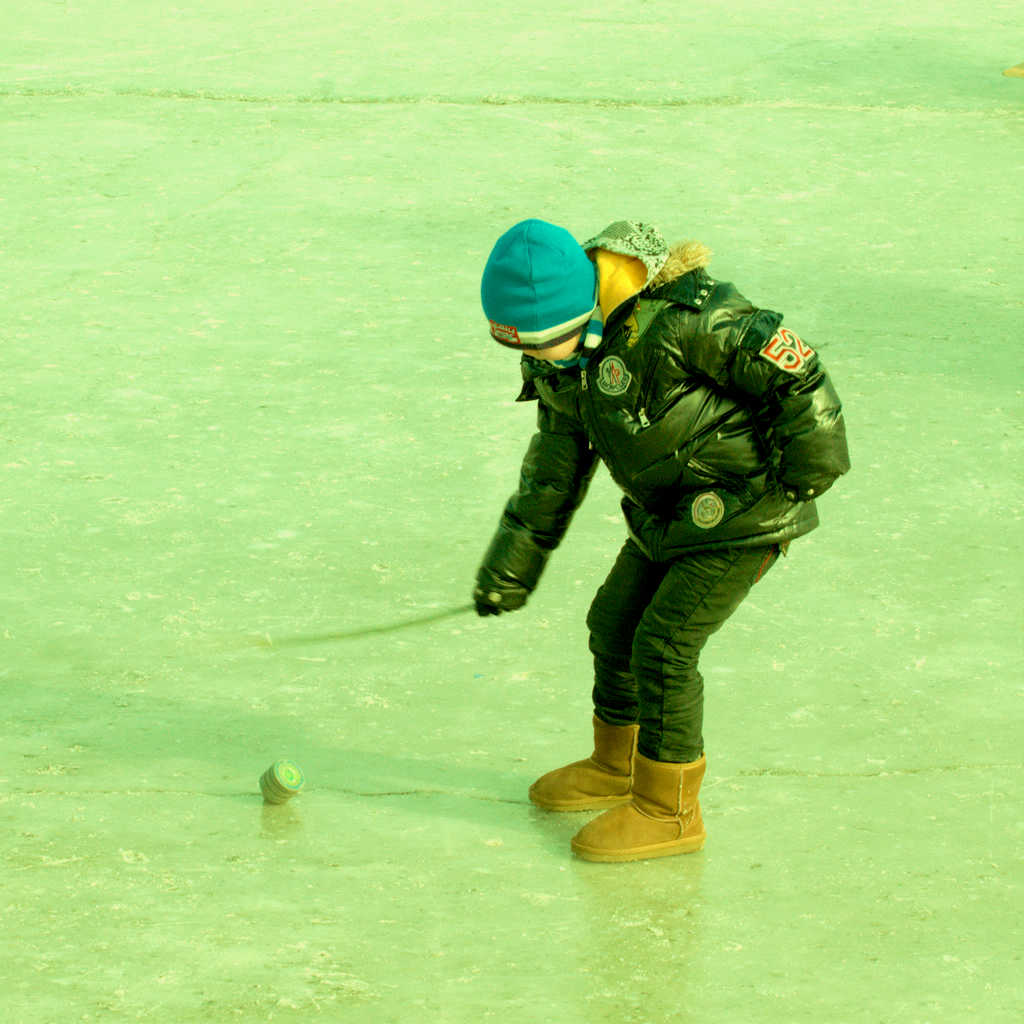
(619,278)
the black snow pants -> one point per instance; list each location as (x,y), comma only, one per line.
(648,624)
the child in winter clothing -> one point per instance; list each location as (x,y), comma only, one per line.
(720,426)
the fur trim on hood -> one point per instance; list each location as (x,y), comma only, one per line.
(682,258)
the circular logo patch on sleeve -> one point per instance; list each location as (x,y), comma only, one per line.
(708,510)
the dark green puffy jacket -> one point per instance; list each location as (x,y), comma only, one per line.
(719,425)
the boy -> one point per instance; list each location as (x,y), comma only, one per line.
(720,426)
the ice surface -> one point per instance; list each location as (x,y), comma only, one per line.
(246,394)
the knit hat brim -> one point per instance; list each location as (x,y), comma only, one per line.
(512,337)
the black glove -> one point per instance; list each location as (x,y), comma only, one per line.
(493,595)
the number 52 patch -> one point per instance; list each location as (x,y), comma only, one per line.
(787,351)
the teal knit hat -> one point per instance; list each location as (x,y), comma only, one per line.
(539,288)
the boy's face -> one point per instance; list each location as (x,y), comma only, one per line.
(562,351)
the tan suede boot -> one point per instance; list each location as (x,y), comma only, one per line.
(602,780)
(662,819)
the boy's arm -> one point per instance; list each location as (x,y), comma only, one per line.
(751,352)
(555,475)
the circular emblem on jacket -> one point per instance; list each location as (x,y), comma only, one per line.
(708,510)
(612,376)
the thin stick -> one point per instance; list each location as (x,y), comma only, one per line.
(391,627)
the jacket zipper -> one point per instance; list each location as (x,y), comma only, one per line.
(648,389)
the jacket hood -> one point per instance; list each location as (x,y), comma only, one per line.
(631,256)
(628,255)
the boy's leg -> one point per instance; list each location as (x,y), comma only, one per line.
(696,595)
(605,778)
(613,619)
